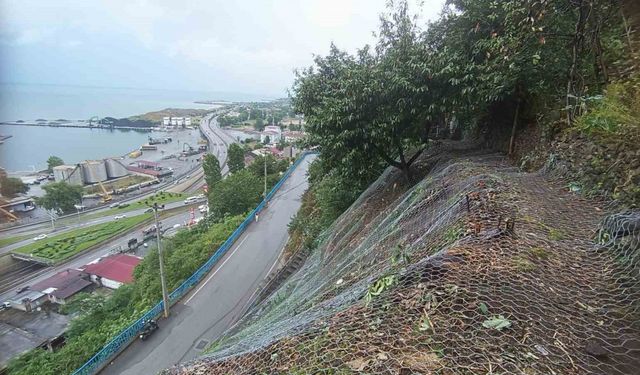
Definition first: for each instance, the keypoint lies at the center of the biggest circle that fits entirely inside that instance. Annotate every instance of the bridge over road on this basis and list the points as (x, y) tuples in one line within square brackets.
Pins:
[(218, 301)]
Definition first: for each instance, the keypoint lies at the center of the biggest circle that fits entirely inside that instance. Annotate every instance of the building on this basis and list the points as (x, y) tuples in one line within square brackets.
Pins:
[(71, 174), (63, 285), (187, 121), (27, 300), (166, 121), (112, 271), (274, 133)]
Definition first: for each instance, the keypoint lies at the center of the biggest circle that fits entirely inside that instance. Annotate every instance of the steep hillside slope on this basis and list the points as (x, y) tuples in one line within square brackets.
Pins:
[(477, 268)]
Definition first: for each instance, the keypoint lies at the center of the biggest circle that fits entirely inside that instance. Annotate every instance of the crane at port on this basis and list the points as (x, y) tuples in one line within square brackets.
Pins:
[(106, 197)]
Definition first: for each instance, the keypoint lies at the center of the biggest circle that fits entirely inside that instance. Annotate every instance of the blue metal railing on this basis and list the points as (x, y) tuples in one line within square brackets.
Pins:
[(127, 335)]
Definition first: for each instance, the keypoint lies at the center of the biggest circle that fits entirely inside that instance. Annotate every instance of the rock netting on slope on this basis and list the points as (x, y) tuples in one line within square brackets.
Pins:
[(476, 269)]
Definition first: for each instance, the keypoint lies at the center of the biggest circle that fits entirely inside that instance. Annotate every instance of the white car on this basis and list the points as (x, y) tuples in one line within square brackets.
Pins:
[(176, 226), (118, 217), (40, 237)]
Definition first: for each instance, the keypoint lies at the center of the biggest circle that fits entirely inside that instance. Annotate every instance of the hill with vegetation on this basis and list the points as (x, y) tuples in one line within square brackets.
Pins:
[(474, 205)]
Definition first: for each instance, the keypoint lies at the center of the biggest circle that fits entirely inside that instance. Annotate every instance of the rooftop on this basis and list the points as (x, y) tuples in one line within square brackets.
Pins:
[(63, 284), (117, 267)]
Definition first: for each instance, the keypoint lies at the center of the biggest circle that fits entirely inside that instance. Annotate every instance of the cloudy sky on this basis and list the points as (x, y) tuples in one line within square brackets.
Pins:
[(234, 46)]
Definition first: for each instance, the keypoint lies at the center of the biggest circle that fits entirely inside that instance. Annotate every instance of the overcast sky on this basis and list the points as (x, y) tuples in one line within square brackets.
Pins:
[(233, 46)]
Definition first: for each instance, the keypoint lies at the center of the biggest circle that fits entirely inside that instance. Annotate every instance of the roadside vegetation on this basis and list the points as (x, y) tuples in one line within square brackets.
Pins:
[(517, 75), (101, 318), (68, 244)]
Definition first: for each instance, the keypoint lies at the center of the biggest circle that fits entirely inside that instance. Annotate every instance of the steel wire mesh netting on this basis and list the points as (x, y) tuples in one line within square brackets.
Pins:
[(477, 268)]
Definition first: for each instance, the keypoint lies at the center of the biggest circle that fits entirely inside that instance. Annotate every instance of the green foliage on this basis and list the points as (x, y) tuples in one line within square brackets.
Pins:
[(259, 124), (235, 158), (274, 166), (60, 196), (619, 107), (378, 287), (11, 186), (235, 195), (497, 322), (211, 167), (53, 161), (83, 303)]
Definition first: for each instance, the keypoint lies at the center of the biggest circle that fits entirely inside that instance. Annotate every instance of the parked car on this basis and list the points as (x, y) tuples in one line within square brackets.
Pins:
[(176, 226), (118, 217), (114, 205), (40, 237)]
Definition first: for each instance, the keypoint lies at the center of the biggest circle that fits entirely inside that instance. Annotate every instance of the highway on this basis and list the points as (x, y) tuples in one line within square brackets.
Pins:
[(222, 297)]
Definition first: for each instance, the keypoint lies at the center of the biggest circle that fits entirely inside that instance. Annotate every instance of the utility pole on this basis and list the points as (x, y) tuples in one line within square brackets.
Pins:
[(165, 296)]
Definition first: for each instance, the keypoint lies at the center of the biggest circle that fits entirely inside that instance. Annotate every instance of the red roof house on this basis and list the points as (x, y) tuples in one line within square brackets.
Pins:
[(112, 271), (63, 285)]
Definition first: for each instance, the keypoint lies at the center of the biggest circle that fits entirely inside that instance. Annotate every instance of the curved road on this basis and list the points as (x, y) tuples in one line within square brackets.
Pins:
[(222, 297)]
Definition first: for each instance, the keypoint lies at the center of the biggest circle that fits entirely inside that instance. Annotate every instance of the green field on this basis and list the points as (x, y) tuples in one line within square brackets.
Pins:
[(67, 244), (160, 198)]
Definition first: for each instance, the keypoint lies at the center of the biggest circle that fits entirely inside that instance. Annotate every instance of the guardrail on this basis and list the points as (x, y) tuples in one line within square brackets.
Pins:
[(124, 338)]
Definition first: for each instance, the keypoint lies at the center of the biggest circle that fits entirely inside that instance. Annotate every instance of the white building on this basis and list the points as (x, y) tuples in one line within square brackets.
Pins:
[(274, 133), (187, 121), (166, 121)]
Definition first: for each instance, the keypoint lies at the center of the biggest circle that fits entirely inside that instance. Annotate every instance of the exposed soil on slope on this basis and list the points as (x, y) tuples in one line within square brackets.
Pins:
[(513, 283)]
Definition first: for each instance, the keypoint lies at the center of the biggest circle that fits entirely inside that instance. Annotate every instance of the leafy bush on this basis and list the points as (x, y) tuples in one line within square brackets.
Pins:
[(619, 107)]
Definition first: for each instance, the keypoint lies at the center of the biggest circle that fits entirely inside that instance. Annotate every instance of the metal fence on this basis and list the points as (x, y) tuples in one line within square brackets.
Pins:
[(130, 333)]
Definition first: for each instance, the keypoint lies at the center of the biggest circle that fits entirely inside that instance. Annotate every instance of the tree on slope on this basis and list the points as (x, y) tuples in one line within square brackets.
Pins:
[(235, 158), (235, 195), (372, 109), (211, 167)]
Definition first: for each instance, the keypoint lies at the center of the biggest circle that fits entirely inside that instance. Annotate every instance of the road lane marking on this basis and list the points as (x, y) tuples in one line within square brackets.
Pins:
[(216, 271)]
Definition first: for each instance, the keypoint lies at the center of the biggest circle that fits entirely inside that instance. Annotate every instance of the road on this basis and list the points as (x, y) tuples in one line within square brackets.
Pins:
[(222, 297), (218, 144), (120, 241)]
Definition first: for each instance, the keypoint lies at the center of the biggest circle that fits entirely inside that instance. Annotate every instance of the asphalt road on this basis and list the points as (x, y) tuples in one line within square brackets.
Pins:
[(222, 297)]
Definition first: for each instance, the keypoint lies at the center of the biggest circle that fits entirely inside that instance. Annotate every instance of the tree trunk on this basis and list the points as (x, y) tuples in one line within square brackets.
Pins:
[(576, 47), (513, 128)]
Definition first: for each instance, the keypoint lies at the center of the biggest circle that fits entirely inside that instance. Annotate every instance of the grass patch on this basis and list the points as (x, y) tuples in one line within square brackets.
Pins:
[(67, 244), (523, 264), (540, 252), (11, 240)]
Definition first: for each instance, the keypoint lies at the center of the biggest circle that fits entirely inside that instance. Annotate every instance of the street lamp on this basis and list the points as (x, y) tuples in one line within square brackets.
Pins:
[(165, 296)]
